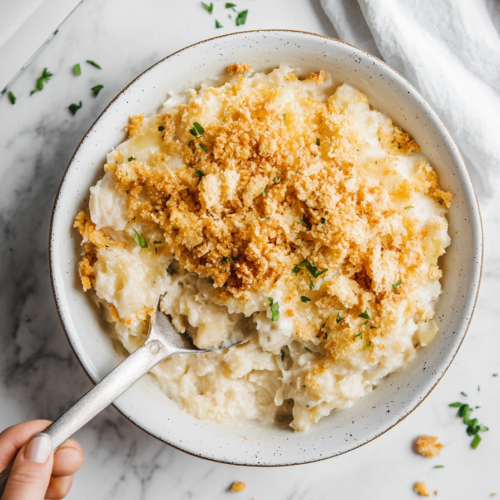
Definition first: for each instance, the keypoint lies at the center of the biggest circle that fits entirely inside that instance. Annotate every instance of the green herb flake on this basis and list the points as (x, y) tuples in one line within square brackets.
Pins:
[(140, 240), (161, 128), (318, 141), (409, 208), (475, 441), (208, 8), (296, 270), (398, 283), (96, 89), (77, 70), (12, 97), (264, 192), (131, 158), (364, 314), (198, 128), (230, 5), (311, 284), (225, 260), (43, 78), (364, 323), (302, 220), (202, 146), (323, 220), (311, 266), (218, 25), (285, 120), (157, 242), (367, 346), (439, 466), (463, 394), (241, 19), (93, 63), (73, 108), (456, 405), (308, 350), (277, 179), (360, 335), (303, 298), (339, 316), (199, 173), (275, 309)]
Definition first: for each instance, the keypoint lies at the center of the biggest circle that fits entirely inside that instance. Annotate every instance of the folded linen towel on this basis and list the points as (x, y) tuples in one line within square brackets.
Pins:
[(450, 51)]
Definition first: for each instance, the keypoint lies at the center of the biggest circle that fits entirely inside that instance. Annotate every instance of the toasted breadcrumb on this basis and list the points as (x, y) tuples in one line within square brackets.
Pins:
[(436, 492), (237, 487), (238, 68), (493, 494), (421, 489), (262, 207), (428, 446)]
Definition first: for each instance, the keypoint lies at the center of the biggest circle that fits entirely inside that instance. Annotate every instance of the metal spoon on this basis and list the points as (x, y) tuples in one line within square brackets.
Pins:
[(162, 342)]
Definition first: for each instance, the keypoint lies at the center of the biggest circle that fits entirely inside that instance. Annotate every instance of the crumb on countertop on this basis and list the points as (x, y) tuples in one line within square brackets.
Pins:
[(421, 489), (436, 492), (428, 446), (237, 487)]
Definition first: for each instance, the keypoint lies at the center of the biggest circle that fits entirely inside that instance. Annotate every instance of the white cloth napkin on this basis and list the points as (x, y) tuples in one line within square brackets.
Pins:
[(450, 51)]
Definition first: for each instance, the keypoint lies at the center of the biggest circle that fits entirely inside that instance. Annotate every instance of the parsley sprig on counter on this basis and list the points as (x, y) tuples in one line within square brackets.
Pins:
[(473, 426), (208, 7), (73, 108), (12, 97), (43, 78), (241, 18), (96, 89), (93, 63), (140, 240)]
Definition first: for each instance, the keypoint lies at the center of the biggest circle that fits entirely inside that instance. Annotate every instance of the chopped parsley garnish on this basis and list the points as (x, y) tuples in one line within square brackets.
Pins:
[(318, 141), (296, 270), (303, 298), (93, 63), (140, 240), (360, 335), (310, 266), (264, 219), (131, 158), (339, 316), (44, 78), (225, 260), (161, 128), (208, 8), (364, 323), (308, 350), (199, 173), (367, 346), (285, 120), (197, 129), (364, 314), (275, 309), (325, 336), (230, 5), (473, 426), (12, 97), (463, 394), (302, 220), (311, 284), (409, 208), (202, 146), (264, 192), (218, 25), (77, 70), (97, 89), (241, 18), (157, 242), (323, 220), (277, 178), (74, 107), (439, 466), (395, 286)]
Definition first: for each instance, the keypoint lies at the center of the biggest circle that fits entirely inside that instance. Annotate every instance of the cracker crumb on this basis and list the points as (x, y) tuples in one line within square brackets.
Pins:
[(428, 446), (237, 487), (317, 78), (134, 125), (493, 494), (421, 489), (436, 492), (238, 68)]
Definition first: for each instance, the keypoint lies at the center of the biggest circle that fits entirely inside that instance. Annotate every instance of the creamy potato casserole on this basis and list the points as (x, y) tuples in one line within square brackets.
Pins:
[(279, 209)]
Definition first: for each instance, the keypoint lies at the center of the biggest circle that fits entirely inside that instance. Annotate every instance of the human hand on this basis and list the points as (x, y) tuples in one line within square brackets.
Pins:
[(37, 472)]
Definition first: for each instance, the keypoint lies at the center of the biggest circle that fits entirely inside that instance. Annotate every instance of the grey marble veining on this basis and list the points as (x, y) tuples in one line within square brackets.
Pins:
[(39, 375)]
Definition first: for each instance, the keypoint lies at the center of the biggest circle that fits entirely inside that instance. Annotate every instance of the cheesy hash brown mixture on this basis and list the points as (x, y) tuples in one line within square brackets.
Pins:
[(282, 210)]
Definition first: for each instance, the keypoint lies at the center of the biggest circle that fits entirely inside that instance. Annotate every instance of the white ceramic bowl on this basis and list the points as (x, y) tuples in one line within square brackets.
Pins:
[(399, 394)]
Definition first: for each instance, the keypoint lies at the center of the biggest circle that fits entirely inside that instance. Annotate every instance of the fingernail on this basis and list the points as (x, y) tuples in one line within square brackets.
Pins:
[(39, 448)]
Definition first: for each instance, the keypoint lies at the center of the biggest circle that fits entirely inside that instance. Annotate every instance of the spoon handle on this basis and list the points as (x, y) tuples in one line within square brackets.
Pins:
[(129, 371)]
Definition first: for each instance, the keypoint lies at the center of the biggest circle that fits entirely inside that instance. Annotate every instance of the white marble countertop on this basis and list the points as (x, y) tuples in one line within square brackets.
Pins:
[(40, 377)]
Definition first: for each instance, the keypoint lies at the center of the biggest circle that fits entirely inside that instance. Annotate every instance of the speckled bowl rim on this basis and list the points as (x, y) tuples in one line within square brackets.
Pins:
[(475, 206)]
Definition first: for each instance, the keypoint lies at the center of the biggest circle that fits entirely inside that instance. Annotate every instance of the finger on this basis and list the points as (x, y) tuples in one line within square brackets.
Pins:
[(12, 438), (31, 471), (68, 459), (58, 487)]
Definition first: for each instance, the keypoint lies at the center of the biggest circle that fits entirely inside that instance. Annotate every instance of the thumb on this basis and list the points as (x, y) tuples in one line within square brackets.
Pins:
[(31, 470)]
